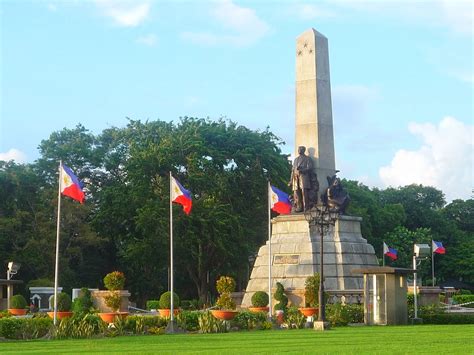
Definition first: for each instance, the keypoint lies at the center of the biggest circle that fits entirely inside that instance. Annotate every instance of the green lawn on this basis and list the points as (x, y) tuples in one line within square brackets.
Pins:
[(428, 339)]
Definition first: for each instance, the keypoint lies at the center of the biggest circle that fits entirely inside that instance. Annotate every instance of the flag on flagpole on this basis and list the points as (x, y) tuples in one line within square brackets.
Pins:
[(279, 201), (390, 252), (180, 195), (70, 184), (437, 247)]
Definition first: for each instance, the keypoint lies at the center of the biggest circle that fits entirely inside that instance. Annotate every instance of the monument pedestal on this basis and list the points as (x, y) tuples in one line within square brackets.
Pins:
[(295, 256)]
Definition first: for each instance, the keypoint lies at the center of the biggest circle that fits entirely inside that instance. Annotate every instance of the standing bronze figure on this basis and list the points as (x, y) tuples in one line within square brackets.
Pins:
[(303, 182)]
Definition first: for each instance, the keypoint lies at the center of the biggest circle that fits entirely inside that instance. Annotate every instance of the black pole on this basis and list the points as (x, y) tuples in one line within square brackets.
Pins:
[(322, 306)]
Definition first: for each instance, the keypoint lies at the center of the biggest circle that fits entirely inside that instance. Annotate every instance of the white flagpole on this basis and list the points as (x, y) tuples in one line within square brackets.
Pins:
[(269, 254), (383, 254), (432, 264), (171, 254), (56, 266)]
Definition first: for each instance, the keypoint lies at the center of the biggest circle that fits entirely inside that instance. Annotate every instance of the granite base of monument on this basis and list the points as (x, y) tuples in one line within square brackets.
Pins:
[(295, 256)]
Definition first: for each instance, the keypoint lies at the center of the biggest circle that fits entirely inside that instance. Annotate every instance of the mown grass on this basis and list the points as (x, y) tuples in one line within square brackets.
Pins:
[(422, 339)]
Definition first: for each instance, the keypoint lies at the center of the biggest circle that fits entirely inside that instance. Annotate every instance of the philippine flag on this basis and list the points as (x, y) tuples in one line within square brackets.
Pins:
[(438, 247), (70, 184), (279, 201), (180, 195), (390, 252)]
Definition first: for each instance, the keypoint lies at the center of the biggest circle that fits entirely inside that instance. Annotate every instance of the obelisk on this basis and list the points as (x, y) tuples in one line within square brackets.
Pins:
[(313, 121)]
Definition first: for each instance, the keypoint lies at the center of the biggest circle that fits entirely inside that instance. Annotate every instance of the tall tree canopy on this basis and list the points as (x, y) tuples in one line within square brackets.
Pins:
[(124, 223)]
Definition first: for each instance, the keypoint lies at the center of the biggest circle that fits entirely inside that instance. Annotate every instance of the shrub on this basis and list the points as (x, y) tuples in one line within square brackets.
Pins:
[(225, 286), (114, 281), (188, 320), (18, 302), (113, 300), (342, 314), (209, 324), (249, 320), (64, 302), (460, 299), (311, 288), (83, 304), (225, 301), (165, 300), (142, 324), (281, 298), (25, 328), (152, 304), (260, 299), (85, 326), (294, 318)]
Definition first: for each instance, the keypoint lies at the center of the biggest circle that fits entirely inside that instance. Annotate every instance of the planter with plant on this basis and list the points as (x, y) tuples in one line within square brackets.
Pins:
[(165, 304), (113, 299), (225, 304), (64, 306), (281, 307), (311, 297), (17, 305), (260, 301)]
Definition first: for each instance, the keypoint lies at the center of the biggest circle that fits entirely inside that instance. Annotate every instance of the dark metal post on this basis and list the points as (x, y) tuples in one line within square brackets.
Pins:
[(322, 306)]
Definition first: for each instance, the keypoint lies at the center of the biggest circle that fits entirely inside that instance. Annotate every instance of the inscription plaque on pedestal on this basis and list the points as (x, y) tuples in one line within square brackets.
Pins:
[(285, 259)]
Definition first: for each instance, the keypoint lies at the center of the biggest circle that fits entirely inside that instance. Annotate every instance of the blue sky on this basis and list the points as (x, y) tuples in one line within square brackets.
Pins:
[(401, 75)]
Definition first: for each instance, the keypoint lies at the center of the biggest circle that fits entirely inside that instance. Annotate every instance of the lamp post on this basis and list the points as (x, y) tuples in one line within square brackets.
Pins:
[(322, 217), (13, 268)]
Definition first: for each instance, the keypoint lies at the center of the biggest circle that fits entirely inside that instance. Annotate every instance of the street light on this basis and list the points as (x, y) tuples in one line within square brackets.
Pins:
[(13, 268), (322, 216), (420, 252)]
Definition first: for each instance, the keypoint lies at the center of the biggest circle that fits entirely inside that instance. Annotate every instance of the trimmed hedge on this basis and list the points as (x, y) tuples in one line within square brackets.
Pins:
[(460, 299), (448, 318), (25, 328)]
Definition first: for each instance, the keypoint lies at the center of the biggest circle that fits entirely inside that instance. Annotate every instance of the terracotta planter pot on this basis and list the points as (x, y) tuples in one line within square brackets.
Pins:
[(280, 316), (166, 312), (258, 309), (224, 314), (17, 311), (110, 317), (60, 315), (308, 311)]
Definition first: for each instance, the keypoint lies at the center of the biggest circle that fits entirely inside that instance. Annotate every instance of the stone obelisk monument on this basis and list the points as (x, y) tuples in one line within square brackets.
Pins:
[(295, 249), (313, 121)]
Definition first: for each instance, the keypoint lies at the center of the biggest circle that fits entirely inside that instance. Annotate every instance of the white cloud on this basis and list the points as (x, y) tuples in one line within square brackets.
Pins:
[(445, 160), (243, 26), (148, 40), (455, 15), (13, 154), (125, 13), (458, 15), (312, 12), (52, 7)]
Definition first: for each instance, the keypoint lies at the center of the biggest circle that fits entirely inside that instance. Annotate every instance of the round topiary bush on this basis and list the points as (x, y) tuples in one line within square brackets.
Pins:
[(165, 300), (114, 280), (260, 299), (18, 302), (64, 302)]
